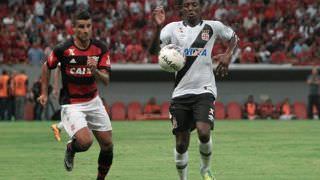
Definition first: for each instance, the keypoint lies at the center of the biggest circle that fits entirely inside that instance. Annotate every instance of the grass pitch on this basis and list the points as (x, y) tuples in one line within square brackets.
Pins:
[(267, 150)]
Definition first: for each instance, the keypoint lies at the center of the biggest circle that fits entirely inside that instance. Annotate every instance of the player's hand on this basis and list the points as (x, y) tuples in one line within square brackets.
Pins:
[(223, 64), (43, 99), (158, 15), (92, 64)]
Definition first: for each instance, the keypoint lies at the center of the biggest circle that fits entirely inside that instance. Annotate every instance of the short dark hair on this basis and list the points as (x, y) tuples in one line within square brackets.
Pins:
[(82, 15), (180, 2)]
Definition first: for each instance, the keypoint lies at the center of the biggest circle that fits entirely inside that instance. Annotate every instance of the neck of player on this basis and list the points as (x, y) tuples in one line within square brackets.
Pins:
[(81, 44), (193, 22)]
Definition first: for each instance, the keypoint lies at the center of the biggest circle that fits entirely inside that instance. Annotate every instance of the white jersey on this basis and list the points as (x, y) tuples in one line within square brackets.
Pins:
[(197, 42)]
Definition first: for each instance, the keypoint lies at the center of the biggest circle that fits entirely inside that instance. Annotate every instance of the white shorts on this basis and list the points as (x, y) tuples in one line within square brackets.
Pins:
[(91, 114)]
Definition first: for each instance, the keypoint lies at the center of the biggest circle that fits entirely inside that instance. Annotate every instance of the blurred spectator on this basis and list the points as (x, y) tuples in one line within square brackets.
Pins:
[(39, 11), (248, 56), (275, 24), (4, 95), (313, 99), (36, 91), (35, 54), (20, 90), (286, 110), (267, 109), (264, 55), (250, 109), (152, 107), (134, 52), (249, 21)]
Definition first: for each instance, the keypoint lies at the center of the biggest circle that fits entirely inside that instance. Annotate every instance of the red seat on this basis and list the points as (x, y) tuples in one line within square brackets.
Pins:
[(300, 110), (165, 109), (118, 111), (134, 110), (234, 111), (219, 110)]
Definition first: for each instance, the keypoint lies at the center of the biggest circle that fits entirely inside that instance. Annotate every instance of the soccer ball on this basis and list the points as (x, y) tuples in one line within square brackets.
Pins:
[(170, 58)]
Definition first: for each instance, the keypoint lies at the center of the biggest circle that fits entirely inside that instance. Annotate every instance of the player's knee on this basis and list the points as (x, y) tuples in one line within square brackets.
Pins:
[(181, 147), (85, 144), (106, 146), (204, 136)]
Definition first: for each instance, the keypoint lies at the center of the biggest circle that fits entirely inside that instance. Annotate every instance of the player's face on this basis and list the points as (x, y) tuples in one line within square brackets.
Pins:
[(191, 10), (83, 29)]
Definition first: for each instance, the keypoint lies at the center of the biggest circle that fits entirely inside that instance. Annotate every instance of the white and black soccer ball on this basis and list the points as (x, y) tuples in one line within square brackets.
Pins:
[(171, 58)]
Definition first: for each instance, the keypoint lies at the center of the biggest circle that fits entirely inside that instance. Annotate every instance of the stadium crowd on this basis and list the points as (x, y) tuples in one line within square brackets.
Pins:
[(271, 31)]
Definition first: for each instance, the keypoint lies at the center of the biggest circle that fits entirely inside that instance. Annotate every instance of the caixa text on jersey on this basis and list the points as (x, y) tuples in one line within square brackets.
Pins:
[(195, 52)]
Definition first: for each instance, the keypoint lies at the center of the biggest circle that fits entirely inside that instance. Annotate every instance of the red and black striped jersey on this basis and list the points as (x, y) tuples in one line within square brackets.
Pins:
[(78, 83)]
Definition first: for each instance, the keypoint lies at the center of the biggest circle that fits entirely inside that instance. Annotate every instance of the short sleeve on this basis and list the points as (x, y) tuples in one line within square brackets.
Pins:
[(224, 32), (104, 62), (165, 35), (52, 60)]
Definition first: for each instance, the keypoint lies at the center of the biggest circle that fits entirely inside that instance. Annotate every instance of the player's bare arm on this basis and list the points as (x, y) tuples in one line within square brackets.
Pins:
[(225, 58), (102, 75), (158, 16), (45, 78), (56, 77)]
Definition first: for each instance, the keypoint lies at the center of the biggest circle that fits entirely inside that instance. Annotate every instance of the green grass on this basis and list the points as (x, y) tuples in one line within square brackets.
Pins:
[(267, 150)]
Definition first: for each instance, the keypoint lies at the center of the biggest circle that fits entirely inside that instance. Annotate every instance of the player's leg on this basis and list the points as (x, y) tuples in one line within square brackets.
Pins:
[(204, 116), (80, 142), (181, 118), (75, 125), (205, 148), (181, 156), (106, 152), (100, 124)]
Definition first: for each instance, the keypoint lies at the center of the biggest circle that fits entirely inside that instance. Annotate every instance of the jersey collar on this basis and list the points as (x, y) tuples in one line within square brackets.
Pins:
[(186, 24)]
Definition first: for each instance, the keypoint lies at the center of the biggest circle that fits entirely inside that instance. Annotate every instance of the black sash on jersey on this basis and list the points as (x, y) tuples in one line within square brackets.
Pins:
[(198, 43)]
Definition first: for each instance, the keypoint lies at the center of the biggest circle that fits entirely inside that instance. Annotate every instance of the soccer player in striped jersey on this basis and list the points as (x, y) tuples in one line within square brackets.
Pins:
[(83, 61), (195, 89)]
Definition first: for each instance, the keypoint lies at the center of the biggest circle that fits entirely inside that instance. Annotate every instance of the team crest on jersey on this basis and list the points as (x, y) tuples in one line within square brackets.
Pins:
[(180, 30), (94, 58), (205, 35)]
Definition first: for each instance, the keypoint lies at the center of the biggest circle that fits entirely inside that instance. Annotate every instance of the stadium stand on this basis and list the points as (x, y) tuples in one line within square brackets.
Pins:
[(219, 110), (118, 111), (134, 110), (234, 111), (275, 31), (300, 110), (165, 109)]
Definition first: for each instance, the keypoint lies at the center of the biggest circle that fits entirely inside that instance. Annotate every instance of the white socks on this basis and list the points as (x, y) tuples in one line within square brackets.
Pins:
[(60, 125), (205, 155), (181, 164)]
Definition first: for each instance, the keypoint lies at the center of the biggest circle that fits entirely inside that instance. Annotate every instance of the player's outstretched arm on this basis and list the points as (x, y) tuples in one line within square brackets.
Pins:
[(224, 59), (102, 75), (158, 16), (45, 79)]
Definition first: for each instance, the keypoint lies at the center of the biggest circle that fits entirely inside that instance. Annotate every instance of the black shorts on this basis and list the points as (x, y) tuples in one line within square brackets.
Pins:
[(187, 110)]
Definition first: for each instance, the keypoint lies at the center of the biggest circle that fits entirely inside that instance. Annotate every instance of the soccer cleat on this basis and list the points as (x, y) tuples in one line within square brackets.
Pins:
[(56, 132), (208, 176), (68, 160)]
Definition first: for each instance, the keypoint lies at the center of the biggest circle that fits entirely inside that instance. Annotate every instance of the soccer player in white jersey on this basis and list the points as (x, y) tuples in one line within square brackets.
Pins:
[(195, 90)]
